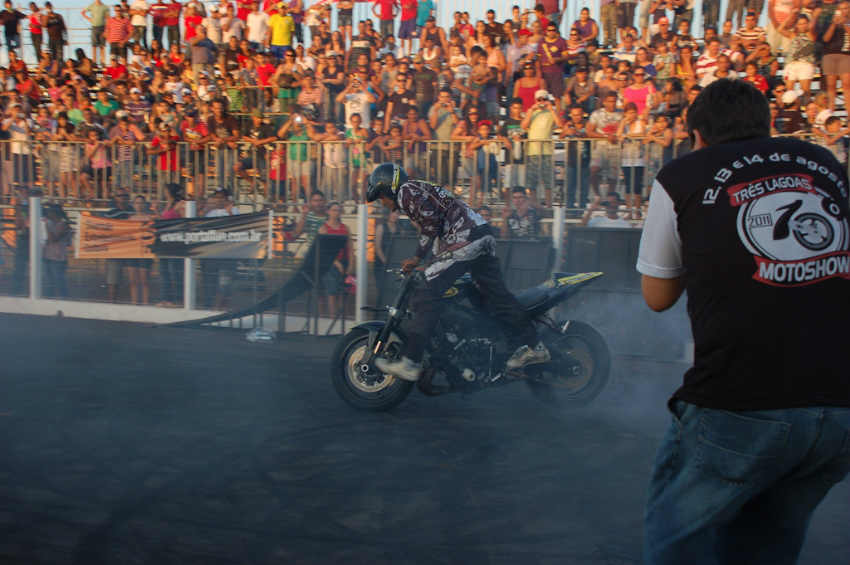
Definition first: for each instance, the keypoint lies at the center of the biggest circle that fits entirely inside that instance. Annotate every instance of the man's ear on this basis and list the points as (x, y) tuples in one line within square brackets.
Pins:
[(699, 143)]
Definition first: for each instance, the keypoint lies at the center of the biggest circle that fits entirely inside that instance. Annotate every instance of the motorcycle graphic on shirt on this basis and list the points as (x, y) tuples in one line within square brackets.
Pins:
[(797, 233)]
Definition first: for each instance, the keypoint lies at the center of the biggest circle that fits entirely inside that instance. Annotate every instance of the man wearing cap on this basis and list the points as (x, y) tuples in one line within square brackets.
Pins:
[(212, 23), (540, 121), (137, 108), (281, 31), (106, 107), (553, 52), (99, 11), (664, 35), (424, 81), (203, 53), (255, 137), (790, 118)]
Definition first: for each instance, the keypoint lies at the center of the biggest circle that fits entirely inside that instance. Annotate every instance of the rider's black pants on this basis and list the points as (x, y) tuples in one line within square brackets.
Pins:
[(428, 304)]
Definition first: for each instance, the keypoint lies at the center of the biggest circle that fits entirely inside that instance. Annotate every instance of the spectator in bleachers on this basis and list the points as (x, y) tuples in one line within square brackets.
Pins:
[(361, 44), (553, 54), (56, 31), (720, 70), (835, 139), (790, 119), (281, 32), (800, 57), (343, 266), (631, 132), (99, 11), (577, 153), (334, 160), (611, 218), (313, 216), (778, 11), (356, 99), (299, 165), (835, 63), (605, 155), (523, 220), (540, 122), (442, 120)]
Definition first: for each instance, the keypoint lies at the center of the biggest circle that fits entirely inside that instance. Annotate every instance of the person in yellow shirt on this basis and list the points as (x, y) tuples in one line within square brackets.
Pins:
[(281, 30)]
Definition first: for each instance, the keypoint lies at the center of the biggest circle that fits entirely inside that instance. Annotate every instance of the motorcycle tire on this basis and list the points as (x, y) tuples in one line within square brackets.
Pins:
[(369, 393), (578, 371)]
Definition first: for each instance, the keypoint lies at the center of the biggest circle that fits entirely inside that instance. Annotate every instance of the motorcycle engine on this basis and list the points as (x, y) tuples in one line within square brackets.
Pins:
[(470, 355)]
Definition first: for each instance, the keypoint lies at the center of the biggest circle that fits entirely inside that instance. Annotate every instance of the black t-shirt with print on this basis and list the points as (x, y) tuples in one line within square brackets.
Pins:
[(762, 229)]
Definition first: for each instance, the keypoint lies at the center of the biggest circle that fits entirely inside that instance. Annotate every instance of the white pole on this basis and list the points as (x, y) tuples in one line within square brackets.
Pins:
[(189, 266), (36, 231), (362, 268), (558, 224)]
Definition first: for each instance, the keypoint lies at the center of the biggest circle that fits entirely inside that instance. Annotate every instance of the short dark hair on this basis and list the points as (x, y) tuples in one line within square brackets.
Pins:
[(520, 190), (729, 110)]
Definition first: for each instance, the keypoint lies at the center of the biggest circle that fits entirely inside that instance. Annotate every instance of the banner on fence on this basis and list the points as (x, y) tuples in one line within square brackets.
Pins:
[(244, 236)]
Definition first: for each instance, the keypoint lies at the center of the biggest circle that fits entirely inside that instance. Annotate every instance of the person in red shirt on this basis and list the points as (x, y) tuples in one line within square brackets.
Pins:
[(116, 69), (157, 12), (118, 32), (172, 22), (758, 81), (386, 10), (407, 27), (196, 135), (190, 21), (243, 8), (265, 70), (164, 144)]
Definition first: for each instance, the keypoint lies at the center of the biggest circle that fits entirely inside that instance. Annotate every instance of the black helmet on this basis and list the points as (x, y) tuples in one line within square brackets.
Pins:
[(385, 180)]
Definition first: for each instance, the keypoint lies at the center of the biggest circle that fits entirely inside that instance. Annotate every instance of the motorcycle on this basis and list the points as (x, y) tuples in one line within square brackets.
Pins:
[(469, 348)]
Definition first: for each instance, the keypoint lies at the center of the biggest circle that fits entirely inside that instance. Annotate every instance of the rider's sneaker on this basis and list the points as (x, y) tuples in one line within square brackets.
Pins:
[(526, 355), (404, 368)]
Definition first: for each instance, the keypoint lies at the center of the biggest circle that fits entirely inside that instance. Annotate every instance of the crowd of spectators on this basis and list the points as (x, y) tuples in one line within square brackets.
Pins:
[(181, 92)]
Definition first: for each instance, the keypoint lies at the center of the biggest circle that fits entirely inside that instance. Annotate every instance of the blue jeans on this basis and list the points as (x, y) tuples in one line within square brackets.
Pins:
[(741, 487)]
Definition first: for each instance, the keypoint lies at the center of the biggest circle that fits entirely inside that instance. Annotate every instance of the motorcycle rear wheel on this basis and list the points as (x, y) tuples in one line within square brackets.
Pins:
[(578, 371), (374, 392)]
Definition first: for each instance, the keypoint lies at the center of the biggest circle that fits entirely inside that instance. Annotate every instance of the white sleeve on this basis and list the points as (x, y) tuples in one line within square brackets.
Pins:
[(660, 253)]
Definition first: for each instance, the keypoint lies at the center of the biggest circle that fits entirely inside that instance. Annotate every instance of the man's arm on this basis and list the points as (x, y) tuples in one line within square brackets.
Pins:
[(660, 257)]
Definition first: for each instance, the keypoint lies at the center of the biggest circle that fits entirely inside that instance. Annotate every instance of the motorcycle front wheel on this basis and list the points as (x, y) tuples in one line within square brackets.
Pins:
[(579, 368), (370, 391)]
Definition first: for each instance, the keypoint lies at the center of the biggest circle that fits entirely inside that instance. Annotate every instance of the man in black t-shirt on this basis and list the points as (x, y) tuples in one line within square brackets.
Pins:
[(224, 137), (255, 137), (401, 98), (756, 230), (12, 19), (424, 84), (361, 44)]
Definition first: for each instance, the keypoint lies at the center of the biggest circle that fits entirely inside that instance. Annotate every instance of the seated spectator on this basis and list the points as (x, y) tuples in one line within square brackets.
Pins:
[(523, 221), (835, 140), (611, 218), (790, 119)]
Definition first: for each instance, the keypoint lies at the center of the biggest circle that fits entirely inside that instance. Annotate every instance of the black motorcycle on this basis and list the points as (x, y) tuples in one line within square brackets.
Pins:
[(469, 348)]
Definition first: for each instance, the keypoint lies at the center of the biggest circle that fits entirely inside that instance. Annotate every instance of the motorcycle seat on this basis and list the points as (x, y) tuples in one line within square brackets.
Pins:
[(532, 297)]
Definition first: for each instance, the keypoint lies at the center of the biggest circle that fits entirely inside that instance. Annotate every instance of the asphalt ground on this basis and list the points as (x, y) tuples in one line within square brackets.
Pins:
[(121, 443)]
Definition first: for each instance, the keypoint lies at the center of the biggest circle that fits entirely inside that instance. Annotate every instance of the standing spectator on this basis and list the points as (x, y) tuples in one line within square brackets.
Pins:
[(757, 438), (553, 53), (191, 20), (415, 132), (99, 11), (356, 138), (385, 11), (513, 132), (257, 32), (540, 121), (195, 136), (164, 146), (400, 99), (55, 257), (212, 23), (407, 26), (659, 148), (232, 26), (523, 222), (626, 15), (281, 30), (298, 166), (114, 267), (69, 166), (95, 174), (22, 239), (442, 119), (527, 86), (295, 8), (642, 93), (361, 44), (631, 131), (224, 136), (124, 137), (312, 98), (609, 17), (158, 11), (605, 157), (345, 19), (139, 20), (172, 22), (20, 130), (343, 265), (778, 11), (333, 160), (256, 137), (36, 19), (171, 269), (139, 270), (313, 216), (800, 57), (578, 158), (836, 52), (118, 32), (424, 81), (684, 12), (581, 90), (203, 53)]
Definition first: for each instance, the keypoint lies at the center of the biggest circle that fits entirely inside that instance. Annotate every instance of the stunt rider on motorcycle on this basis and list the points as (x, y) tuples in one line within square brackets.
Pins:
[(466, 244)]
